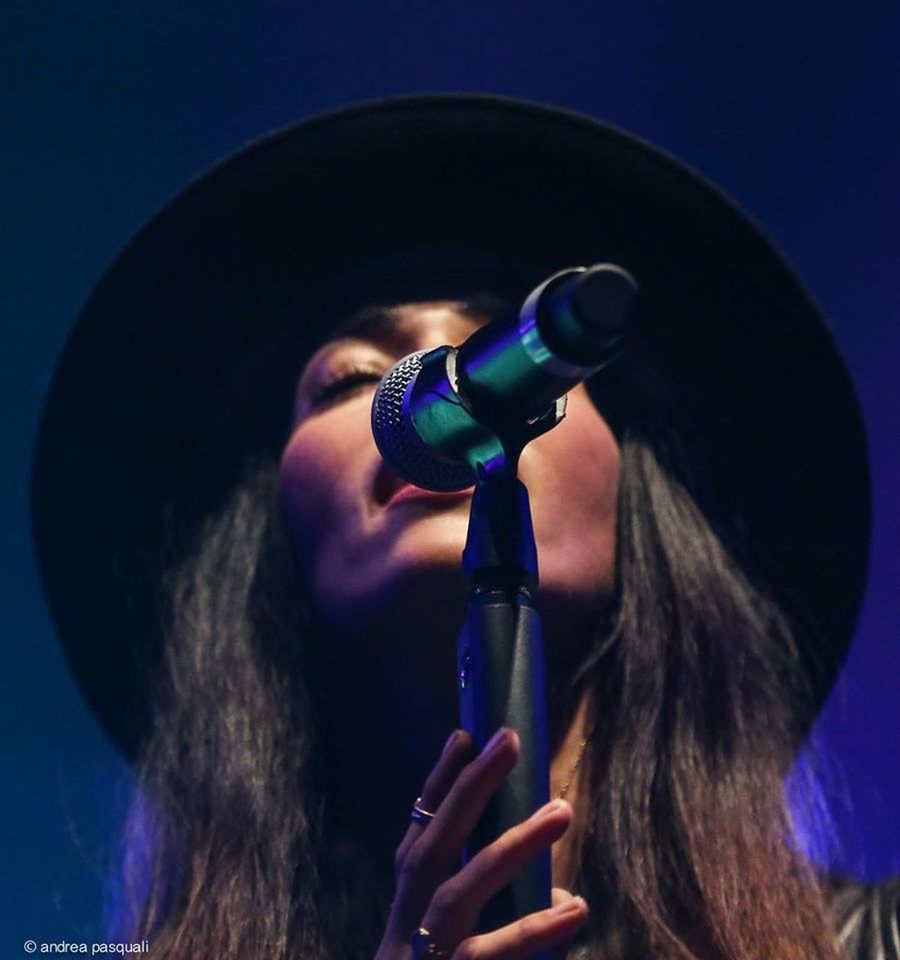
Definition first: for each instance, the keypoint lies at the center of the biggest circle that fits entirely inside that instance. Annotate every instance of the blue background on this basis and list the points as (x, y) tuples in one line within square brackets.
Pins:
[(107, 108)]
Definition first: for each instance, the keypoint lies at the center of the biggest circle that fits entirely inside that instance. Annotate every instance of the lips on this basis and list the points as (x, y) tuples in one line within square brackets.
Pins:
[(391, 488), (408, 493)]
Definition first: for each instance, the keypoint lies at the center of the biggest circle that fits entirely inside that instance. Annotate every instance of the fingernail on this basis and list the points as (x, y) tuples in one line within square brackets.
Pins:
[(548, 808), (448, 746), (495, 743), (568, 906)]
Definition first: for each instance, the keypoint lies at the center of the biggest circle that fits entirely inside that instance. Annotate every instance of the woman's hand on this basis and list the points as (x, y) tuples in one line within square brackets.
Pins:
[(432, 893)]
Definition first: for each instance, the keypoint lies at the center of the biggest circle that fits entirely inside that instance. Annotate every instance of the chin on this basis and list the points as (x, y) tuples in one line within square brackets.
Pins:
[(427, 583), (412, 589), (433, 541)]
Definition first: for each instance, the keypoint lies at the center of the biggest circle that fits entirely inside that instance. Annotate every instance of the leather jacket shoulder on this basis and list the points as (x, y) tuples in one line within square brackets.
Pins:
[(867, 918)]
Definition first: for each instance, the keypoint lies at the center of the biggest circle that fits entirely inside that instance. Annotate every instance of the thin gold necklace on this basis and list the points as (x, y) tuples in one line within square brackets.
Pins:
[(564, 789)]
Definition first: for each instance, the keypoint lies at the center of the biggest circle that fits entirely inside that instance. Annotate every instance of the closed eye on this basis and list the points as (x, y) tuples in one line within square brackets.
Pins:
[(342, 385)]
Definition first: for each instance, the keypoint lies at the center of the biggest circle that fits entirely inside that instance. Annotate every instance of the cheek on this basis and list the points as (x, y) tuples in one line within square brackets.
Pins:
[(319, 472), (302, 484), (576, 477), (592, 454)]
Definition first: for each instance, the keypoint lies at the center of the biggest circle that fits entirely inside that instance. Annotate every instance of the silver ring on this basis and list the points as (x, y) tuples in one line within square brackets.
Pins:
[(419, 813), (424, 948)]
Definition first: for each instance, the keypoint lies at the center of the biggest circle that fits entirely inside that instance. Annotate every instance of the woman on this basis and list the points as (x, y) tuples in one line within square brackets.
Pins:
[(698, 586)]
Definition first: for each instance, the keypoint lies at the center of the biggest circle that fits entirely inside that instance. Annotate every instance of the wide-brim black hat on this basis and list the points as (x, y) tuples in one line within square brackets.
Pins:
[(157, 400)]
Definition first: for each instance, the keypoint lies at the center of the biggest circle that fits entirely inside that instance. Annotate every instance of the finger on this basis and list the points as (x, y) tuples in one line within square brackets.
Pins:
[(558, 896), (520, 940), (436, 853), (459, 812), (457, 903), (453, 758)]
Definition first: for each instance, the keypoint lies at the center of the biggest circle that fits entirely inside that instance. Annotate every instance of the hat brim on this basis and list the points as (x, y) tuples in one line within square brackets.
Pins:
[(270, 245)]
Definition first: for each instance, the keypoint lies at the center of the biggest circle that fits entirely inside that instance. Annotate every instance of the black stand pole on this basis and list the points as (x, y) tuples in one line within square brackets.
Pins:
[(500, 661)]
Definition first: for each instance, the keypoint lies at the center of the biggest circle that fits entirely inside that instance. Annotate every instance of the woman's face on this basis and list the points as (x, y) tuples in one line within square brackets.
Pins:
[(376, 555)]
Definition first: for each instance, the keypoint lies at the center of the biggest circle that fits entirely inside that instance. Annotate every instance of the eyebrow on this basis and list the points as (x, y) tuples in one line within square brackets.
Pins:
[(369, 323), (380, 322)]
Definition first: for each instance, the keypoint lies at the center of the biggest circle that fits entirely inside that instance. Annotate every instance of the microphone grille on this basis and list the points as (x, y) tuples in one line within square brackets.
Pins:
[(396, 437)]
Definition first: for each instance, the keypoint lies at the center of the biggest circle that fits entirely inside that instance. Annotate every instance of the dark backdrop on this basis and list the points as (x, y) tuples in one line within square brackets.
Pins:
[(109, 107)]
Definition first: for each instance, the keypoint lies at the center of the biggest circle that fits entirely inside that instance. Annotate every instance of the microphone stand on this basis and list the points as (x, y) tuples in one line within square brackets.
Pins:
[(500, 666), (449, 413)]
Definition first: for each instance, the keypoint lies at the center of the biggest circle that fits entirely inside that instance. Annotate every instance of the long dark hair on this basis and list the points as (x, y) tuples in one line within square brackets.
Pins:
[(696, 678)]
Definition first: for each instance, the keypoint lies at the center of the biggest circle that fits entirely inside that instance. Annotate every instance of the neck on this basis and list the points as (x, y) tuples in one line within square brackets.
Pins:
[(568, 774)]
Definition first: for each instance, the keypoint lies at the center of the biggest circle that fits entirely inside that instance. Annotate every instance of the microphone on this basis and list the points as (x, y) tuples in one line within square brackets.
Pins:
[(437, 414)]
